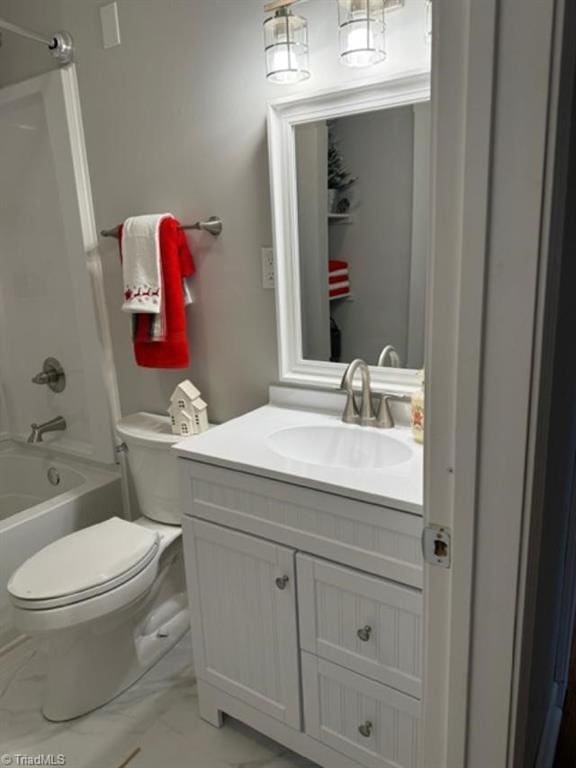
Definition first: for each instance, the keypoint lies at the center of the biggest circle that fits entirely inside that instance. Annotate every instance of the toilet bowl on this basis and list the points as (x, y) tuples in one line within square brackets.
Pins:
[(107, 602)]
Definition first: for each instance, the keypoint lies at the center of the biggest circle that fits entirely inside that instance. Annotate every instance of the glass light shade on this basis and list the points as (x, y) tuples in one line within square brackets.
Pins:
[(286, 46), (361, 24)]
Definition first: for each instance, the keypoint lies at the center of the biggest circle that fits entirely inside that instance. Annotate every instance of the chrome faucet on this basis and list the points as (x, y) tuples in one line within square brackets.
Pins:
[(39, 430), (352, 414), (365, 414), (389, 357)]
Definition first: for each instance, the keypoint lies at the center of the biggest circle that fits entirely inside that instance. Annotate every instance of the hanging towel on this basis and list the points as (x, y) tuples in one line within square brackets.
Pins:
[(141, 269), (338, 279), (339, 289), (177, 263)]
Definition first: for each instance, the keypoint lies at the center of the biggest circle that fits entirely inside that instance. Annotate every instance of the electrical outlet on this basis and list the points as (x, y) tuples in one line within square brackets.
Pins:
[(267, 268)]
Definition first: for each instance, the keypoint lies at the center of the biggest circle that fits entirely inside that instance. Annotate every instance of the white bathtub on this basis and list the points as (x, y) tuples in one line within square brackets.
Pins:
[(35, 511)]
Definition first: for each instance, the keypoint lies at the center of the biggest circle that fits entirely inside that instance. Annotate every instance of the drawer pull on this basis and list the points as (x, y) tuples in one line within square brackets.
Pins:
[(365, 729), (364, 633), (282, 582)]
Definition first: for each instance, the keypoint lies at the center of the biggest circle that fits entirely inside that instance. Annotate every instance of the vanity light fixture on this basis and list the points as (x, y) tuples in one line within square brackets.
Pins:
[(361, 25), (286, 44)]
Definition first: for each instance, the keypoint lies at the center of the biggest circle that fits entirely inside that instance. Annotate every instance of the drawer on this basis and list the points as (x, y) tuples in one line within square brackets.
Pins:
[(368, 722), (365, 623), (366, 536)]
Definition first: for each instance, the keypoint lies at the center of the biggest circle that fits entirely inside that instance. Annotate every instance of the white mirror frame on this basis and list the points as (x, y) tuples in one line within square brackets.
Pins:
[(283, 115)]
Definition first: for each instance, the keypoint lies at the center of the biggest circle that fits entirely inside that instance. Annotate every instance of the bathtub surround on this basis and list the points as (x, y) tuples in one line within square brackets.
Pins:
[(201, 154), (47, 228)]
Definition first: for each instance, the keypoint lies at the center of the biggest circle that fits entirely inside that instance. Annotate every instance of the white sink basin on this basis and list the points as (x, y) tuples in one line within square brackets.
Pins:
[(347, 447)]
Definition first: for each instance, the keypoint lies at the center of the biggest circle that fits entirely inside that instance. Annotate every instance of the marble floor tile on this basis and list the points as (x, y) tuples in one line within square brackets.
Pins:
[(156, 722)]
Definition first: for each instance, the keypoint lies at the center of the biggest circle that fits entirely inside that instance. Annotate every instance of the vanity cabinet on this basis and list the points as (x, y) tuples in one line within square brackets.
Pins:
[(306, 614), (245, 636)]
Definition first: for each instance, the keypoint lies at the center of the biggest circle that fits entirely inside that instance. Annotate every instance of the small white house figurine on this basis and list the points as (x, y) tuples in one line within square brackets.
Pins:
[(188, 412)]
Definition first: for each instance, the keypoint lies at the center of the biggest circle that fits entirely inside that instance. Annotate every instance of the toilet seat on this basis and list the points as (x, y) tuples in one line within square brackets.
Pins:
[(85, 564)]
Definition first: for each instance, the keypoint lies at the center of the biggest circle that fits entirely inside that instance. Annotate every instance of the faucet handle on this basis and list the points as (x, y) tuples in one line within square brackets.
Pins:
[(351, 413), (384, 418)]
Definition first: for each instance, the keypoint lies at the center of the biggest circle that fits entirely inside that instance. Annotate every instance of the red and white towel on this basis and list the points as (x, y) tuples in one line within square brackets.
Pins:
[(339, 278), (141, 268), (159, 320)]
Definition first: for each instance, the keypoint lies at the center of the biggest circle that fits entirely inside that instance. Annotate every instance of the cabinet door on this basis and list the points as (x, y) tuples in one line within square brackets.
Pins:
[(243, 603)]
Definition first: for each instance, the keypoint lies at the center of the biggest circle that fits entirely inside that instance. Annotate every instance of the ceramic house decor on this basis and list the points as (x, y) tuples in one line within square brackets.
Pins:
[(188, 412)]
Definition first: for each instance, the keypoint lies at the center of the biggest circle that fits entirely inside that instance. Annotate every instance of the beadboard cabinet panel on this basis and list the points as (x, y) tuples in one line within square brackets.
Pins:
[(366, 536), (244, 618), (361, 622), (372, 724)]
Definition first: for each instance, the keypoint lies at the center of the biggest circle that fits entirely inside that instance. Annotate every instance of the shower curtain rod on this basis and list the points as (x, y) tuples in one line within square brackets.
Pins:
[(60, 45)]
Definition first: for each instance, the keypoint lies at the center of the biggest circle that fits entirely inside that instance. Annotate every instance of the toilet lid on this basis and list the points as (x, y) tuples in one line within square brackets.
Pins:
[(85, 563)]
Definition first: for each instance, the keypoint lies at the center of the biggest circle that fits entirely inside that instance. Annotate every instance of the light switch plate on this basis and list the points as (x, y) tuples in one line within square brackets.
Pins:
[(110, 25), (267, 268)]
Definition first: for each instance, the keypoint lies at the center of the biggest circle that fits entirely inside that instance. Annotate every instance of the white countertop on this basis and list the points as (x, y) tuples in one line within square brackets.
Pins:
[(244, 444)]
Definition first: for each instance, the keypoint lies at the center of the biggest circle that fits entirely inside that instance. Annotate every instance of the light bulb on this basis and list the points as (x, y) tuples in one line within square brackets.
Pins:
[(361, 37), (286, 44)]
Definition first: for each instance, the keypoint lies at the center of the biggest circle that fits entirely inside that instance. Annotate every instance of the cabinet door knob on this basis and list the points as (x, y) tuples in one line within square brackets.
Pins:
[(366, 729), (282, 582), (364, 633)]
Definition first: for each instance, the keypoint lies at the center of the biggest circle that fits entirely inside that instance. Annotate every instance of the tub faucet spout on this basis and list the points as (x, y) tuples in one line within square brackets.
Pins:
[(39, 430)]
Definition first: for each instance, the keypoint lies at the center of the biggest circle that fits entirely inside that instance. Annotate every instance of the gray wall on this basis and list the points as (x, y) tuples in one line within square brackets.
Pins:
[(378, 148), (175, 120)]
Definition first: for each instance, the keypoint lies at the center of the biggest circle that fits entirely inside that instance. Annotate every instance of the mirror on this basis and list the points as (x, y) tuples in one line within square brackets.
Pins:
[(350, 183), (362, 188)]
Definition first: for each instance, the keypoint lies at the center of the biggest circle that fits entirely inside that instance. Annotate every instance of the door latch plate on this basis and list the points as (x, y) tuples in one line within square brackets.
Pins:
[(437, 545)]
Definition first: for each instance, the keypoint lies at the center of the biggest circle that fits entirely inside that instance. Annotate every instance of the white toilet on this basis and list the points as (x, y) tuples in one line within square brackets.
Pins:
[(107, 602)]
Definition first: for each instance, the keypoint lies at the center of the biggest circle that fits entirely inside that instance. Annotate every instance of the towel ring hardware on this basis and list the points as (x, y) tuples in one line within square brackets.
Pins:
[(213, 226)]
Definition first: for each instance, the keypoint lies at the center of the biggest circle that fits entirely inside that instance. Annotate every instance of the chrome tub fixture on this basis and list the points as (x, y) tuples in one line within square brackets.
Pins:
[(285, 44), (39, 430), (52, 375), (361, 25)]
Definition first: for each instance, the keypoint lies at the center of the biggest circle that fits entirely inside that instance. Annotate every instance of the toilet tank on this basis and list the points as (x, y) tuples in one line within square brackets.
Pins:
[(153, 465)]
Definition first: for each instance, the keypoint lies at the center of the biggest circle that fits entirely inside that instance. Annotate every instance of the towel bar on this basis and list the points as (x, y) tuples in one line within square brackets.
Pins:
[(214, 226)]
